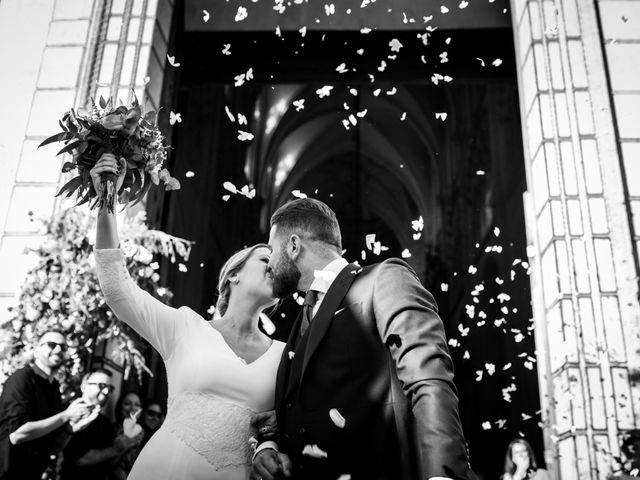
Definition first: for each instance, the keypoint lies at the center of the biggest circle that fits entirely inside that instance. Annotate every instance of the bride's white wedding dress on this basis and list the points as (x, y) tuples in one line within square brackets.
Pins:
[(212, 392)]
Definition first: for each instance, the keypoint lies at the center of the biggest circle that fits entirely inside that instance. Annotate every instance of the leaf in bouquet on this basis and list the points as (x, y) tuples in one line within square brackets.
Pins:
[(71, 122), (68, 166), (85, 198), (63, 126), (83, 147), (102, 102), (58, 137), (147, 185), (69, 147), (71, 186), (96, 139), (135, 102), (137, 182), (86, 177)]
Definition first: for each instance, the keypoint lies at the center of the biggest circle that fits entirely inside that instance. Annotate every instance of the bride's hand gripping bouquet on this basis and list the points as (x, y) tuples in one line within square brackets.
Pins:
[(127, 133)]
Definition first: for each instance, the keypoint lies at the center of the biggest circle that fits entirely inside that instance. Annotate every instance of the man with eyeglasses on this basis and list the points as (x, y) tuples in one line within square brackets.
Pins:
[(92, 452), (33, 424)]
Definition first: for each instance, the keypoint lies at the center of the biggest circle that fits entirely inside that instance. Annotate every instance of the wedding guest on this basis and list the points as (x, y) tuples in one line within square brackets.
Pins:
[(92, 452), (33, 423), (129, 408), (152, 418), (520, 463), (628, 466)]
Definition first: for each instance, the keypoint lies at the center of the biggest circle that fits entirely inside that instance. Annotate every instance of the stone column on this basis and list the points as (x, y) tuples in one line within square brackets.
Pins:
[(57, 54), (43, 47), (584, 276)]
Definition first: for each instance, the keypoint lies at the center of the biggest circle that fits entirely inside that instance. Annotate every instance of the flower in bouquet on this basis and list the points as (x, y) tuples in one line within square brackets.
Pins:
[(126, 132)]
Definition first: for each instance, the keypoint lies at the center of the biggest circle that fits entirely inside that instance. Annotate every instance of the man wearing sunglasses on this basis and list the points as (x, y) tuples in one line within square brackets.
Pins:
[(33, 424), (152, 418), (92, 452)]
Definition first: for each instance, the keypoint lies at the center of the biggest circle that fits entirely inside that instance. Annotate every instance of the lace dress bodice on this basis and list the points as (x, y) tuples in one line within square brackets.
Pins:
[(213, 394)]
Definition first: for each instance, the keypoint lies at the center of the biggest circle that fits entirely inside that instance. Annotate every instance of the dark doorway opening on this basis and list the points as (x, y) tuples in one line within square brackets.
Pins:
[(462, 174)]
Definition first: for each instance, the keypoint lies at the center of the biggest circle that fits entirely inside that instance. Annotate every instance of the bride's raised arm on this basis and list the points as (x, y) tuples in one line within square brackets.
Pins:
[(153, 320)]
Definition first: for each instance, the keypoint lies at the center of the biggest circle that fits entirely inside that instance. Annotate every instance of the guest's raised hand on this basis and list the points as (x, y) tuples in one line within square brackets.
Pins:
[(84, 421), (108, 164), (77, 409), (122, 443)]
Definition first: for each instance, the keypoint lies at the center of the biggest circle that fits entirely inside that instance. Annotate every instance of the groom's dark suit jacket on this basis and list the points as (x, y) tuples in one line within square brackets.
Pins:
[(376, 352)]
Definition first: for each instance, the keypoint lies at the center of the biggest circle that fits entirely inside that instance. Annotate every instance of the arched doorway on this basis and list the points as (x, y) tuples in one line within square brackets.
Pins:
[(401, 158)]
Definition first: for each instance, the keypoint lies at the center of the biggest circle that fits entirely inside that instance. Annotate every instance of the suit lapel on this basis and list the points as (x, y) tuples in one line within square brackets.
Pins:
[(284, 369), (324, 316)]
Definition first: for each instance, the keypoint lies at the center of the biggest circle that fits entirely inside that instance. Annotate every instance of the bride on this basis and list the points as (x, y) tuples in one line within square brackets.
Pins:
[(220, 373)]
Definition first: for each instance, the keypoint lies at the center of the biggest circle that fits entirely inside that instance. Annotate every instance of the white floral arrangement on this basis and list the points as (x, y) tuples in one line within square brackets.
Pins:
[(62, 291)]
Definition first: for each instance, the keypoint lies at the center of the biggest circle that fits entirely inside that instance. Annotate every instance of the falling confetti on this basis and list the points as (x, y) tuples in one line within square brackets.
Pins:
[(314, 451), (298, 194), (229, 114), (395, 45), (244, 136), (205, 16), (338, 420), (324, 91), (267, 324), (241, 14), (174, 118), (172, 61)]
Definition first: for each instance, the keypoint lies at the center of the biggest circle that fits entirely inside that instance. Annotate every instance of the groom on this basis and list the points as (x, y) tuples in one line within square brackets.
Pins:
[(365, 385)]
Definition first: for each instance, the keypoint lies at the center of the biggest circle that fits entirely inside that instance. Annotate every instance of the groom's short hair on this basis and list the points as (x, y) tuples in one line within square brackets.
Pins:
[(310, 216)]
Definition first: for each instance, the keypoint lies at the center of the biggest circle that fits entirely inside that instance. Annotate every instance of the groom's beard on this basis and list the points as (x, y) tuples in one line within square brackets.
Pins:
[(285, 277)]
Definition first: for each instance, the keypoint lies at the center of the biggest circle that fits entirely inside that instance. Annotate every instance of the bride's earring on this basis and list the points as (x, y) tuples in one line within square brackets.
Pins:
[(234, 280)]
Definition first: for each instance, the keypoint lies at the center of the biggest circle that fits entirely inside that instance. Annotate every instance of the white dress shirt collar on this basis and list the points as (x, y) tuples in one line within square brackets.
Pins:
[(324, 278)]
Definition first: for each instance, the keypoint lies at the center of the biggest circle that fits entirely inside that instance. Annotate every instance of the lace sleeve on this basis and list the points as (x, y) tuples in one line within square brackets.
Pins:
[(153, 320)]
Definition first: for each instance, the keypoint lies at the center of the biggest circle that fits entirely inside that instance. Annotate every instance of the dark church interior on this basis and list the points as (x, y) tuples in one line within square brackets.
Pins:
[(399, 161)]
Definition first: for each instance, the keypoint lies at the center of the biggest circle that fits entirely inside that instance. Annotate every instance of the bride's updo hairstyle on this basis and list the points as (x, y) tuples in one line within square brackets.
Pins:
[(228, 270)]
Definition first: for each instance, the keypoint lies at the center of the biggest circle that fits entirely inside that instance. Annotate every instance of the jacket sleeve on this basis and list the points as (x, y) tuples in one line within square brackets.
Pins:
[(408, 323), (156, 322), (16, 401)]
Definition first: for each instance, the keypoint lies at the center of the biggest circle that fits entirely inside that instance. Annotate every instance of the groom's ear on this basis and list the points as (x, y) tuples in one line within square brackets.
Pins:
[(294, 246)]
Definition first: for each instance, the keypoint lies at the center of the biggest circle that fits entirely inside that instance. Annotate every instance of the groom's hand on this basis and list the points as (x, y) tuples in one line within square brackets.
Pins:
[(270, 465)]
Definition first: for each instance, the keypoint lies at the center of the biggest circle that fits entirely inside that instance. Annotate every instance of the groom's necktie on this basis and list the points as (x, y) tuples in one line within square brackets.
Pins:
[(310, 300)]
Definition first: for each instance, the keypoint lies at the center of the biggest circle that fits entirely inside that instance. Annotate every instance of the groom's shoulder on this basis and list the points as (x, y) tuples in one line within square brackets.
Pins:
[(390, 268), (392, 263)]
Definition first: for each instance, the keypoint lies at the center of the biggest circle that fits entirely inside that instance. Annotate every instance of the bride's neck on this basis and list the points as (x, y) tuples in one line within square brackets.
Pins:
[(241, 318)]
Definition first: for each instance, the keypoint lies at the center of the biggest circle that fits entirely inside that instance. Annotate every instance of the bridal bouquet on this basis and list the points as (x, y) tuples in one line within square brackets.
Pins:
[(126, 132)]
